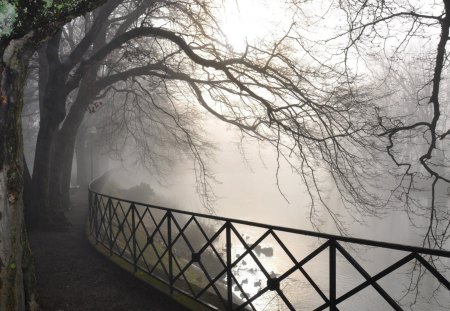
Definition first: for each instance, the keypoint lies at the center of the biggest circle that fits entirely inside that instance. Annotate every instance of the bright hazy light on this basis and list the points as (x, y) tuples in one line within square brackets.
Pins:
[(248, 21)]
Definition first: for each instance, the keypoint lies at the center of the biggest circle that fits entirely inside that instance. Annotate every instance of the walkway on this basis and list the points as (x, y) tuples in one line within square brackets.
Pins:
[(72, 276)]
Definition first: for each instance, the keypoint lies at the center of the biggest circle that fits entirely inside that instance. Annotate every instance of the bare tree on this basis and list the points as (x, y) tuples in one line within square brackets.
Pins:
[(415, 139), (268, 92), (24, 26)]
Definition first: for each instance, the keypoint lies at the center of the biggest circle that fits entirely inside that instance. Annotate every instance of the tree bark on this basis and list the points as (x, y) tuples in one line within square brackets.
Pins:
[(26, 193), (52, 100), (64, 147), (17, 283), (80, 154)]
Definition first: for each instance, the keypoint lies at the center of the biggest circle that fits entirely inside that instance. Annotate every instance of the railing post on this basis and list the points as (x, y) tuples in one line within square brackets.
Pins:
[(133, 235), (169, 239), (229, 276), (332, 251), (91, 213), (97, 212), (110, 220)]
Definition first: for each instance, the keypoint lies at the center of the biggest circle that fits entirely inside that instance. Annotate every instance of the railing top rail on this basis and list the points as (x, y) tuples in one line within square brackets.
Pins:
[(388, 245)]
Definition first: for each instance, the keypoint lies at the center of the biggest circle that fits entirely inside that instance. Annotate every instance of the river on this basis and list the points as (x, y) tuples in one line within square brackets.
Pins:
[(247, 190)]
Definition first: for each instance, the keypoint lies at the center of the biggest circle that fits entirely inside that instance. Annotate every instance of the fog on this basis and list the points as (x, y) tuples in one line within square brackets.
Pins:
[(293, 123), (246, 187)]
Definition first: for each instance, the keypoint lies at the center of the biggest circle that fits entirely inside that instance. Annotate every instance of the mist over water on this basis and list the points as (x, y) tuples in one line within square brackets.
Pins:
[(246, 189)]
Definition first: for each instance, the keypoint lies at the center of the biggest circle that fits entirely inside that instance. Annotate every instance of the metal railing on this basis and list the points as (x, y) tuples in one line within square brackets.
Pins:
[(201, 255)]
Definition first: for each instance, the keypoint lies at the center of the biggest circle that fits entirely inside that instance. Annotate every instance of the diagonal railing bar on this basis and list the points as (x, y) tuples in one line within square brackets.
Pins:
[(285, 300), (133, 233), (211, 244), (205, 247), (190, 263), (192, 293), (253, 298), (159, 256), (91, 215), (216, 290), (157, 230), (376, 277), (219, 257), (184, 276), (258, 263), (103, 223), (168, 246), (222, 262), (249, 250), (223, 272), (159, 262), (159, 224), (373, 279), (294, 261), (109, 205), (207, 244), (99, 220), (433, 271), (129, 241), (367, 276), (289, 272), (96, 211), (140, 224), (113, 218), (181, 233), (151, 238), (150, 235), (147, 266), (220, 274), (121, 228), (181, 274)]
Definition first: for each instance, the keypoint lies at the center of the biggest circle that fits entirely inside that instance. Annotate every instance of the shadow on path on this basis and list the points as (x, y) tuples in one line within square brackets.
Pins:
[(72, 276)]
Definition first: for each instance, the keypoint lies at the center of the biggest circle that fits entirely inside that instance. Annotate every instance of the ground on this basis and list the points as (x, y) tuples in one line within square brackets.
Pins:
[(72, 276)]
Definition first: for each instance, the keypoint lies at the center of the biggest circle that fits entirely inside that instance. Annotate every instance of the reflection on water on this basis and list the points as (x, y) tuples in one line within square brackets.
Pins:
[(260, 257), (252, 194), (252, 272)]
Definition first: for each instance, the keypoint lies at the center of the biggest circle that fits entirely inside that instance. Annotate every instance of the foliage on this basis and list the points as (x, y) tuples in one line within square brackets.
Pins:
[(8, 16), (41, 16)]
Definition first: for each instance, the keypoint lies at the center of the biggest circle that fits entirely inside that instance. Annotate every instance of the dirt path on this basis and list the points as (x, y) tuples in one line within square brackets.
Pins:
[(72, 276)]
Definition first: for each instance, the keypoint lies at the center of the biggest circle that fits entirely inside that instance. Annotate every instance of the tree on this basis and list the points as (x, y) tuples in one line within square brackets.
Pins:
[(289, 115), (24, 26), (57, 133), (313, 107), (416, 139)]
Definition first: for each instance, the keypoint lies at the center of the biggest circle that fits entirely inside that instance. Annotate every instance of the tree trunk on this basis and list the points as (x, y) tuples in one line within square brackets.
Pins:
[(26, 193), (17, 282), (80, 154), (52, 100), (61, 170), (46, 215), (67, 172), (61, 167)]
